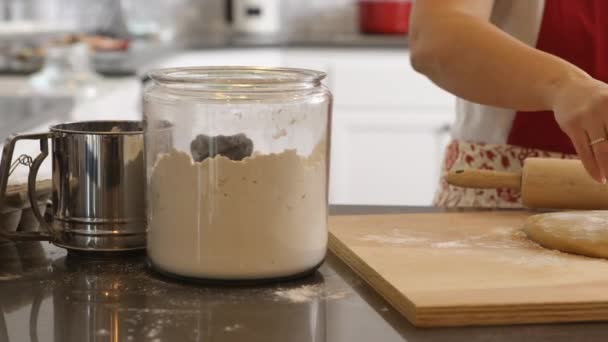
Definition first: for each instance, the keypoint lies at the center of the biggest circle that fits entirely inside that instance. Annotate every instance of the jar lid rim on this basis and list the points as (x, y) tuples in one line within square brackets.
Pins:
[(233, 75), (100, 127)]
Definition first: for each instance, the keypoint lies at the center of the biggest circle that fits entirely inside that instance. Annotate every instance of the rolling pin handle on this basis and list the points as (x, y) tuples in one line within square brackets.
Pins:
[(484, 179)]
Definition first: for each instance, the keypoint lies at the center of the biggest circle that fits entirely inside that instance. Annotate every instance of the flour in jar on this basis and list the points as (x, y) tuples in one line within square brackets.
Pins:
[(261, 217)]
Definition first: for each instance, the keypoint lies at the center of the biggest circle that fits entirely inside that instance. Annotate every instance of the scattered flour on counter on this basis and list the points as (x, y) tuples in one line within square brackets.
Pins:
[(299, 294), (306, 293), (153, 332), (543, 260), (504, 231), (102, 332), (336, 295), (231, 328), (9, 276), (392, 240), (498, 237), (450, 244)]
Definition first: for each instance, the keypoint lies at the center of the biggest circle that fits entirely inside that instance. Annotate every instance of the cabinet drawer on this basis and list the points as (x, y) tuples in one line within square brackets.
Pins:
[(385, 80), (390, 158)]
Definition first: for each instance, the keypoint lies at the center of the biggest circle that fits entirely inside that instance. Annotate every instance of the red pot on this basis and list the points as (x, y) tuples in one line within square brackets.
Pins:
[(387, 17)]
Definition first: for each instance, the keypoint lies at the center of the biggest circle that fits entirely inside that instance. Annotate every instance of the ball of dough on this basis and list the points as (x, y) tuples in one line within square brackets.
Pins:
[(579, 232)]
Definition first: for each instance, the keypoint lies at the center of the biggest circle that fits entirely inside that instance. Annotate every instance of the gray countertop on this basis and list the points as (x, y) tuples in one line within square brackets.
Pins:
[(47, 296), (125, 63), (345, 40)]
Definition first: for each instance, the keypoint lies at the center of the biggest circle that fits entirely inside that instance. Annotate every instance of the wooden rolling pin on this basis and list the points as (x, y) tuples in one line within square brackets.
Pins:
[(544, 183)]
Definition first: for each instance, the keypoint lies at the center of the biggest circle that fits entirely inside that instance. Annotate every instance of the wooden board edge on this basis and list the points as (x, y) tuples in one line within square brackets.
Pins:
[(373, 279), (461, 318), (574, 307)]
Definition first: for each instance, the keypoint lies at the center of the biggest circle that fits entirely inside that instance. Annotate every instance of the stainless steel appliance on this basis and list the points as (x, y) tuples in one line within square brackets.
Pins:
[(256, 16), (98, 186)]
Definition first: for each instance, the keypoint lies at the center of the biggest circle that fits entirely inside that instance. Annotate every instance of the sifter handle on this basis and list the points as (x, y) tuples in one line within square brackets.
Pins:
[(484, 179)]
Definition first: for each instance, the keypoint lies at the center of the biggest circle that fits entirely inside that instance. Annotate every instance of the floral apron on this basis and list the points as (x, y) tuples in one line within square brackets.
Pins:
[(463, 155)]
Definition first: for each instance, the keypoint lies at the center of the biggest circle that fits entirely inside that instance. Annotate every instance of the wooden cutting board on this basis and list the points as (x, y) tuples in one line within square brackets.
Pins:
[(457, 269)]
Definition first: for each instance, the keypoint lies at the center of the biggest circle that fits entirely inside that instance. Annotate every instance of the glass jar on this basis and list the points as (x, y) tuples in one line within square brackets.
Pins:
[(237, 168)]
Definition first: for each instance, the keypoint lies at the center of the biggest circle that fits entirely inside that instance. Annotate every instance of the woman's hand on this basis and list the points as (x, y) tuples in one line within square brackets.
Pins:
[(581, 110)]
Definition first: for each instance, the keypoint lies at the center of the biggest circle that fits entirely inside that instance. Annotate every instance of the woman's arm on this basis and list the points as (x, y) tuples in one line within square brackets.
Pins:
[(454, 44)]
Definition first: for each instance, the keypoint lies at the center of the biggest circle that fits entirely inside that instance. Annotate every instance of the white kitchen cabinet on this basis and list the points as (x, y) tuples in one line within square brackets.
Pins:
[(390, 125), (371, 77), (389, 158), (233, 57)]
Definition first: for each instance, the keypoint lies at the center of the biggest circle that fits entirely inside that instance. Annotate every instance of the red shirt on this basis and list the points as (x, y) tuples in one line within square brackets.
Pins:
[(576, 31)]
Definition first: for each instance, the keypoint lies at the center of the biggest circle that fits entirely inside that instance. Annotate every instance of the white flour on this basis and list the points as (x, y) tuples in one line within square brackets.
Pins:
[(102, 332), (495, 238), (395, 239), (502, 238), (262, 217), (299, 294), (231, 328), (450, 244), (307, 293)]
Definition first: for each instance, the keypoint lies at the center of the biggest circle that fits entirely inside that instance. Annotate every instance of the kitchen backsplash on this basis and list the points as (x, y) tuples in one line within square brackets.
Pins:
[(203, 20), (190, 20), (320, 16)]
